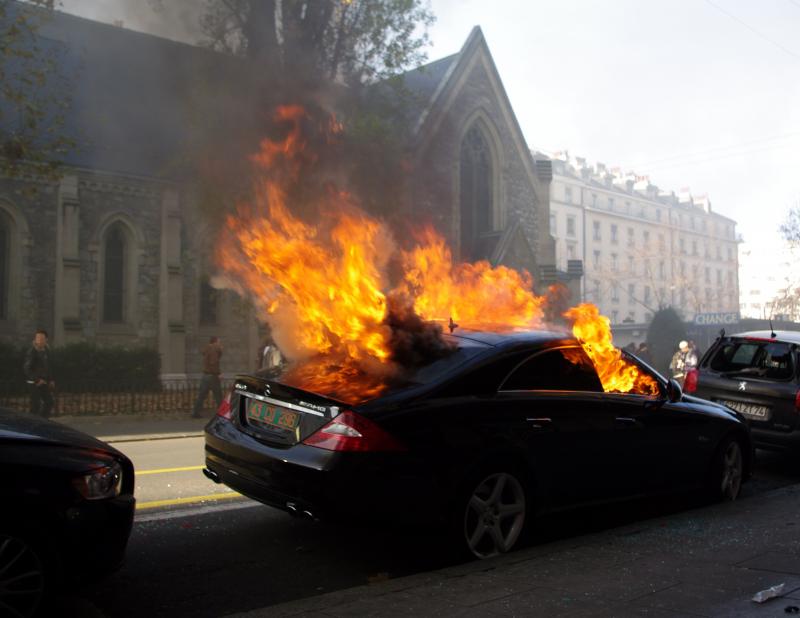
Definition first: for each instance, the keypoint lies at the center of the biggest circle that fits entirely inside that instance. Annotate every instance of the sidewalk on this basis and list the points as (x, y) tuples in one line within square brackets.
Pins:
[(703, 562), (126, 428)]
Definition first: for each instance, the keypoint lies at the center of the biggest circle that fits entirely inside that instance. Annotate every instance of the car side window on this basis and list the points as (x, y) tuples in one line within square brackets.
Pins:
[(562, 369)]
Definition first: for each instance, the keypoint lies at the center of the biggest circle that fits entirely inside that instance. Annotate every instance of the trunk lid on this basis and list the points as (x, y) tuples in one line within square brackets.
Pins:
[(278, 414), (756, 378)]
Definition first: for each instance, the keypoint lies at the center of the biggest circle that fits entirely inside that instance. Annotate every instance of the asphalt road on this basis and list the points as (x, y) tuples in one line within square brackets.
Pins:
[(194, 553)]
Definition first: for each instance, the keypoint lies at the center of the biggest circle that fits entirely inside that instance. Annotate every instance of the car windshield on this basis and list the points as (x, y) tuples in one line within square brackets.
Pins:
[(766, 359)]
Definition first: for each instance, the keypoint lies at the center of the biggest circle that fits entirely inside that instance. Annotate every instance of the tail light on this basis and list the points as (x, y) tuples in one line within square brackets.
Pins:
[(351, 432), (225, 410), (690, 382), (797, 401)]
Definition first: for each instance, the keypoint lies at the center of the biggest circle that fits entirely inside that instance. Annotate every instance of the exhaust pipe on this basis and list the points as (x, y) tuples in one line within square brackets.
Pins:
[(292, 509), (212, 475)]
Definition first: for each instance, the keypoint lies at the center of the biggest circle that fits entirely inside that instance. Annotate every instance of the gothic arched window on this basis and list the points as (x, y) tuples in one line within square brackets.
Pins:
[(114, 279), (476, 193)]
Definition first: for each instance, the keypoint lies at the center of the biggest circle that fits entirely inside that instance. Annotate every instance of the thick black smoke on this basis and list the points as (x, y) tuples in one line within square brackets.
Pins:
[(414, 342)]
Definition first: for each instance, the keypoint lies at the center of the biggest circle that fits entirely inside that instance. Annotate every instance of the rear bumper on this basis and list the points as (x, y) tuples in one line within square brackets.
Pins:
[(323, 484), (776, 440)]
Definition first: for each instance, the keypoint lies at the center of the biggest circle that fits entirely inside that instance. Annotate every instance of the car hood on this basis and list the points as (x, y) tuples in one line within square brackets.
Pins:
[(17, 427), (713, 408)]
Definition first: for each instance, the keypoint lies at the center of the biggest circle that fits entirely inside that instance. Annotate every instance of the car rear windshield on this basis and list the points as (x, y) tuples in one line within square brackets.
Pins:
[(465, 349), (765, 359)]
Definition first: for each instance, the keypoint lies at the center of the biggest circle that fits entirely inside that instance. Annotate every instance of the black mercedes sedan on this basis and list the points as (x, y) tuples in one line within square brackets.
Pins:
[(67, 510), (504, 428)]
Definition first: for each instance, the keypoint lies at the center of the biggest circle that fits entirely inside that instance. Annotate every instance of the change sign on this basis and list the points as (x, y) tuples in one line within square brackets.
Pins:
[(714, 319)]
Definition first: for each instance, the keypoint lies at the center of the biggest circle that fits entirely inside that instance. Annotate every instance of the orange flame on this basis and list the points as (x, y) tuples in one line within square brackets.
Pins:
[(324, 287), (476, 296), (594, 332)]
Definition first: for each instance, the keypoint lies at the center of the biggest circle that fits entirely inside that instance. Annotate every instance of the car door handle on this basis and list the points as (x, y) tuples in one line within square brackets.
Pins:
[(627, 421), (540, 423)]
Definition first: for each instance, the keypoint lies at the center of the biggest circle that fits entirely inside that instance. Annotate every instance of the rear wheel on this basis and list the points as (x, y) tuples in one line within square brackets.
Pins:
[(491, 514), (727, 472), (23, 576)]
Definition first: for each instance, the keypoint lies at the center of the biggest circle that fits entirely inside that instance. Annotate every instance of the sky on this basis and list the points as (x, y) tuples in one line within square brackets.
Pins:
[(694, 93)]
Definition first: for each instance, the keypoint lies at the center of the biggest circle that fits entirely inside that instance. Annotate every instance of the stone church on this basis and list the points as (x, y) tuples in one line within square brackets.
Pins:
[(110, 253)]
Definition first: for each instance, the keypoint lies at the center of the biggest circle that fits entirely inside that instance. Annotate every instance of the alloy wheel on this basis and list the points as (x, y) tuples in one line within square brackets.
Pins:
[(732, 466), (495, 515), (21, 577)]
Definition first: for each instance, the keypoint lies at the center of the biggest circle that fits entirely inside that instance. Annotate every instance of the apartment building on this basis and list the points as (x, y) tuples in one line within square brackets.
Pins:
[(642, 248)]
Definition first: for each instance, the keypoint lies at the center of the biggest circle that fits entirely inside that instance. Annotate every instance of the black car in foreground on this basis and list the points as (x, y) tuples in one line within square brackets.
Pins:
[(67, 510), (757, 374), (505, 427)]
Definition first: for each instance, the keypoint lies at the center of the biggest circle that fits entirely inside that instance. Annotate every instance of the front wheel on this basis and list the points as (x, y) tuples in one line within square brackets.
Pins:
[(492, 514), (727, 472), (23, 576)]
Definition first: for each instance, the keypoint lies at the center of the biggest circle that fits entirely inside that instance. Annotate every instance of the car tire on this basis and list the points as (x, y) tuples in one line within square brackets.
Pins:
[(490, 513), (727, 471), (27, 573)]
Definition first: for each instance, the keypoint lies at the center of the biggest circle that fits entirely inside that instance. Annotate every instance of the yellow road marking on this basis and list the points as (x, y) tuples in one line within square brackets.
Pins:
[(163, 470), (187, 500)]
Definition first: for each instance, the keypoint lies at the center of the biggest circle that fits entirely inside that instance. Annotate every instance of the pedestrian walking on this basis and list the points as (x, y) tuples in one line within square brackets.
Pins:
[(212, 354), (683, 361), (39, 376)]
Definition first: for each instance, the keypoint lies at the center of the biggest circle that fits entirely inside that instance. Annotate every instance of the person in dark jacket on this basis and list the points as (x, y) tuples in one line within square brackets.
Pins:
[(212, 354), (37, 372)]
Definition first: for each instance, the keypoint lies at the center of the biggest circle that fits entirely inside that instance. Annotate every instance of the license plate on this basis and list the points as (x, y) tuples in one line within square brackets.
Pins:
[(749, 410), (267, 414)]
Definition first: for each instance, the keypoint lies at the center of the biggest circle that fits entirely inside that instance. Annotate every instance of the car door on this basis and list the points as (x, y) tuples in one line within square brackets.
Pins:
[(569, 432), (666, 442)]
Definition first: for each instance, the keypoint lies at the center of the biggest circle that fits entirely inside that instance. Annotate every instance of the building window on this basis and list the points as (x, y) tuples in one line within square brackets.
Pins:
[(730, 254), (661, 269), (614, 237), (627, 208), (708, 275), (719, 253), (682, 245), (5, 242), (631, 239), (646, 239), (570, 226), (658, 215), (553, 230), (694, 247), (611, 203), (596, 290), (596, 227), (615, 317), (631, 265), (614, 293), (476, 193), (568, 194), (594, 199), (683, 268), (719, 277), (209, 303), (570, 250), (647, 294), (596, 259), (614, 262), (114, 279), (631, 292)]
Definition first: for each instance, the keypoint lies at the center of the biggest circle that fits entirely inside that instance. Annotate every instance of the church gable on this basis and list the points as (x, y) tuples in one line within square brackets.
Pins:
[(474, 173)]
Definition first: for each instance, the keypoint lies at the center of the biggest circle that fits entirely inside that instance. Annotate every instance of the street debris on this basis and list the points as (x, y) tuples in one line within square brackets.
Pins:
[(769, 593)]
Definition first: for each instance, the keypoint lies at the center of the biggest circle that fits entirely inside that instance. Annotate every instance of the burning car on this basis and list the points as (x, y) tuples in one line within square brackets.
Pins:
[(501, 428)]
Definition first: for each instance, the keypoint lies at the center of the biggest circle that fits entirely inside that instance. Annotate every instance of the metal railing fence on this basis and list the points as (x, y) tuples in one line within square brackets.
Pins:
[(95, 397)]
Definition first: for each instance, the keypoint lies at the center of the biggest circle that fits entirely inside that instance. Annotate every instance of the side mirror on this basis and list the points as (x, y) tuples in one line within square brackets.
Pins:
[(674, 391)]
